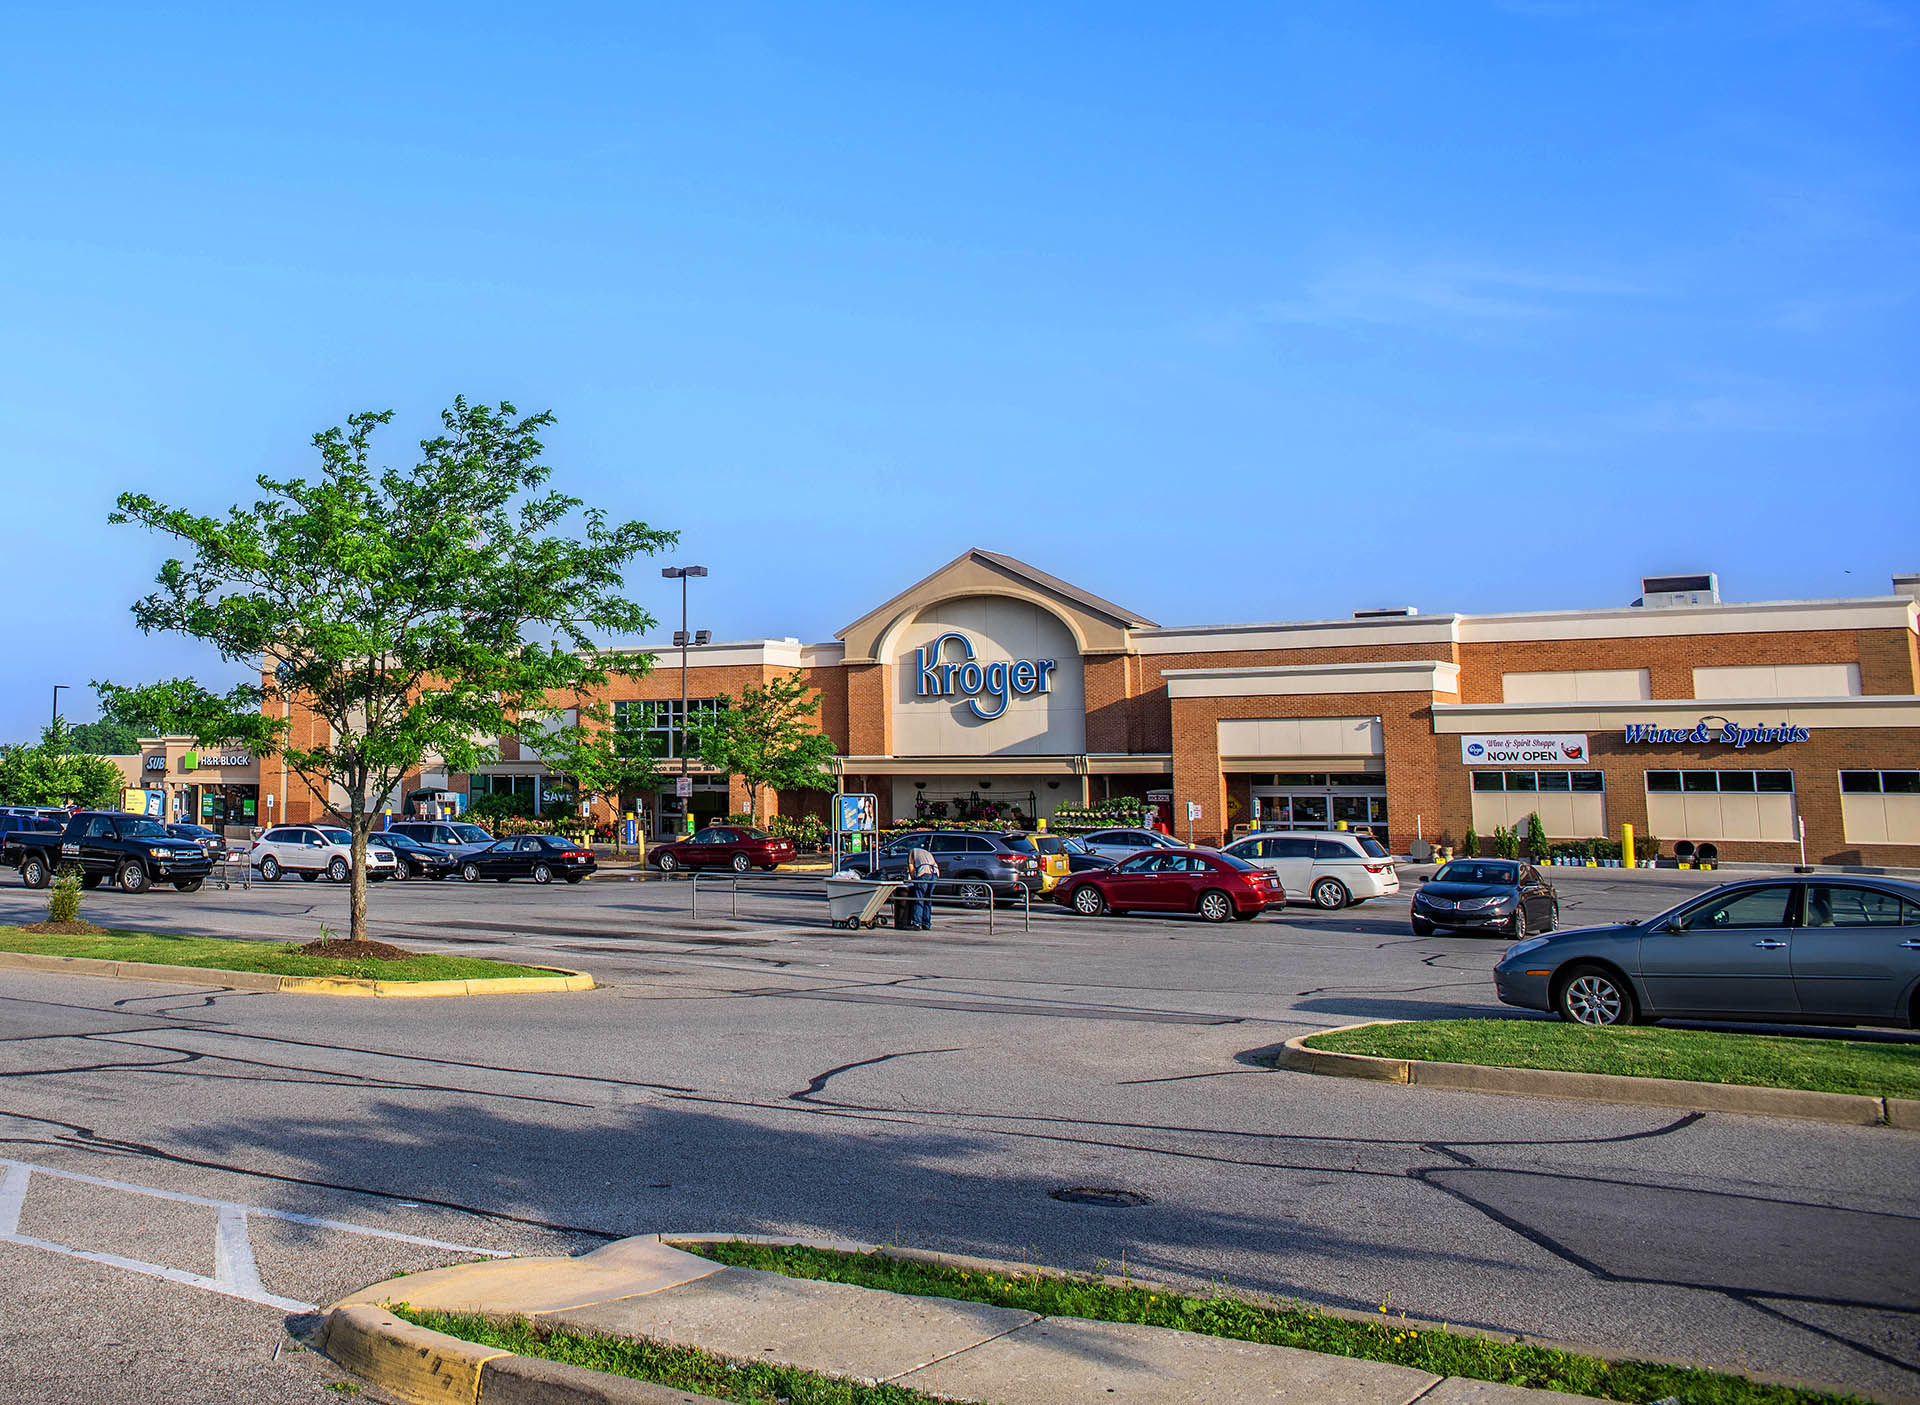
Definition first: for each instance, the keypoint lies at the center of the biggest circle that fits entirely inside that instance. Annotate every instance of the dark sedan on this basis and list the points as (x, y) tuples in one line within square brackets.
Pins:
[(207, 839), (541, 857), (1816, 951), (1216, 886), (736, 846), (1504, 896), (417, 860)]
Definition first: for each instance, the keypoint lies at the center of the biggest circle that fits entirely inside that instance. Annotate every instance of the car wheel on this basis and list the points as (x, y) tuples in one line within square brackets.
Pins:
[(741, 863), (337, 870), (1594, 996), (542, 874), (1422, 927), (668, 863), (1553, 918), (34, 873), (470, 872), (1330, 894), (133, 878), (976, 894), (269, 869), (188, 885), (1215, 905), (1520, 923), (1088, 901)]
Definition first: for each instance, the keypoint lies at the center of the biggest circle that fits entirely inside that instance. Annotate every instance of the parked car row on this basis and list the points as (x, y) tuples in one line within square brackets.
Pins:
[(315, 851)]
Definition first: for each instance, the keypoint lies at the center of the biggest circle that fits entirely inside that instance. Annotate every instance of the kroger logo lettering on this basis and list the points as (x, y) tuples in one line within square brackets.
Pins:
[(1000, 682)]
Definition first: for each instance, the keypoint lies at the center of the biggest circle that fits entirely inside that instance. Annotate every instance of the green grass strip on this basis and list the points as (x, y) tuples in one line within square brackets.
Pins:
[(1707, 1056), (272, 958), (680, 1367), (1443, 1353)]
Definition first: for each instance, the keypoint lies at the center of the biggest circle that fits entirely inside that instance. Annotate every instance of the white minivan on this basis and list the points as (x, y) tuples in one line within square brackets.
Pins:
[(1328, 868)]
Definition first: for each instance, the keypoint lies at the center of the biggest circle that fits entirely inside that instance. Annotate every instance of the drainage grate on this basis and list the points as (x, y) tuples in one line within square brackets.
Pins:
[(1100, 1195)]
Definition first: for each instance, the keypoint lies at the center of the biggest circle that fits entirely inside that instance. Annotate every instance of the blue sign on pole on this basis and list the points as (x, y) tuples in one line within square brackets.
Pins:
[(856, 814)]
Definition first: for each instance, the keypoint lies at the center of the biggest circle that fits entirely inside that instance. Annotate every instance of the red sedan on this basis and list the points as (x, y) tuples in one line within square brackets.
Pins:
[(735, 846), (1215, 885)]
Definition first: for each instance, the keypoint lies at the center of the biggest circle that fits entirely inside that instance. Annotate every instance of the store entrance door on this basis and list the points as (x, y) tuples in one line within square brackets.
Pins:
[(1321, 801)]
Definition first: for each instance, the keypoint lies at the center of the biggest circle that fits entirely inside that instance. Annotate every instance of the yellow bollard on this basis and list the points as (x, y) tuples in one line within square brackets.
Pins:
[(1626, 846)]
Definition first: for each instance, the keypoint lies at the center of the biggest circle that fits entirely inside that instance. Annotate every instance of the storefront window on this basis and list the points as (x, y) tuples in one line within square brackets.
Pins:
[(1722, 805)]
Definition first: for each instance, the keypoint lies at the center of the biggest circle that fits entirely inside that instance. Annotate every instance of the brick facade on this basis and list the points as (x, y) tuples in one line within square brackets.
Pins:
[(1130, 711)]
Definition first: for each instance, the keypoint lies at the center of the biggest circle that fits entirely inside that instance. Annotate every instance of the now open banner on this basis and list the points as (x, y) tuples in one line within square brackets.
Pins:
[(1551, 749)]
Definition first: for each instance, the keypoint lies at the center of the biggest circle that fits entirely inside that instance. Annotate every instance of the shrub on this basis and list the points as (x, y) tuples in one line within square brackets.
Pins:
[(1470, 846), (498, 807), (63, 903), (1537, 846)]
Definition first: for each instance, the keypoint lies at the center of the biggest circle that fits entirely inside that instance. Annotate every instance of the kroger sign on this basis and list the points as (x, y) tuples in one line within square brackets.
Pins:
[(962, 675)]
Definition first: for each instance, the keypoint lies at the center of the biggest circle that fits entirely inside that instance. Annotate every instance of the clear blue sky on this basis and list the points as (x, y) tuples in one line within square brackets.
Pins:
[(1227, 312)]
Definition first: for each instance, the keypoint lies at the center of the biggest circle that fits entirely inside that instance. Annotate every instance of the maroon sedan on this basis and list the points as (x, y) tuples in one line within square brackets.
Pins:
[(1215, 885), (735, 846)]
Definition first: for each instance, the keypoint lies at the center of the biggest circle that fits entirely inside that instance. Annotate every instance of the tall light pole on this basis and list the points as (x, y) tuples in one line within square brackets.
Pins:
[(681, 573), (58, 689)]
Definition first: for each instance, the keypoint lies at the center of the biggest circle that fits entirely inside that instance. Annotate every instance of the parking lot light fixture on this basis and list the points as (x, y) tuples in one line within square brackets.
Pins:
[(681, 637)]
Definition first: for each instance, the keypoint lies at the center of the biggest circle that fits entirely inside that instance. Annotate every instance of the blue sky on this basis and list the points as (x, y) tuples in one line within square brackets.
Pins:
[(1227, 312)]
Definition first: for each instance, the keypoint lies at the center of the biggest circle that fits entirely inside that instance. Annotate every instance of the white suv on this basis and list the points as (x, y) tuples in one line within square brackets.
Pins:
[(1330, 869), (313, 849)]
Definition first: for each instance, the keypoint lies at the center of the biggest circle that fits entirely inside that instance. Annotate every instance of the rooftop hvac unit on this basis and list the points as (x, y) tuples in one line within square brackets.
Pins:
[(1665, 592)]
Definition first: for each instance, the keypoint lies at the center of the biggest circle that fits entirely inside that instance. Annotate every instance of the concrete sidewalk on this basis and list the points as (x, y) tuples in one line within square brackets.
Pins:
[(643, 1287)]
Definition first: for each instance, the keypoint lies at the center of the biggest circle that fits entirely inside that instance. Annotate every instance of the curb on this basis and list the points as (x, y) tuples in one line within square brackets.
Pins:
[(1856, 1109), (561, 980)]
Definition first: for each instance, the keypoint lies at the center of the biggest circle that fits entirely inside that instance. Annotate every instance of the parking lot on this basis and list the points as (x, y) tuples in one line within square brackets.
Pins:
[(768, 1073)]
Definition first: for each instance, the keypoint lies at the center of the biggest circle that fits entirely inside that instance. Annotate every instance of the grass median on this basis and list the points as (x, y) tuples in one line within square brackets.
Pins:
[(270, 958), (1877, 1069), (679, 1367), (1391, 1339)]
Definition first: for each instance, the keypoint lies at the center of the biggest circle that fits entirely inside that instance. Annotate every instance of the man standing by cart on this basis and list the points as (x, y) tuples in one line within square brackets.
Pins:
[(921, 870)]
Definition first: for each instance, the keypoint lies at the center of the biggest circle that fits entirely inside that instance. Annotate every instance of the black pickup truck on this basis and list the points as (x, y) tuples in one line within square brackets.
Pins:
[(135, 851)]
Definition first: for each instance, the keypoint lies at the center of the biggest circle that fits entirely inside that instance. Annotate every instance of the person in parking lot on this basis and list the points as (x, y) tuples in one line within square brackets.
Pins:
[(922, 869)]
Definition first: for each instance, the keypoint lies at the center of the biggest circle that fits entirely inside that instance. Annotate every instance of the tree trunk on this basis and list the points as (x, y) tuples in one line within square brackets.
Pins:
[(357, 880)]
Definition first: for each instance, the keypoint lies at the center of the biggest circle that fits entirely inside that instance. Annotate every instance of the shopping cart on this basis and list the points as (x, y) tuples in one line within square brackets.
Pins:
[(854, 902)]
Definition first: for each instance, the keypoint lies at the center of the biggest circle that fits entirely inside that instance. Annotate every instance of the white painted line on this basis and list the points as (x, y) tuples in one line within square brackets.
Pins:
[(13, 1193), (233, 1266), (186, 1199), (171, 1275)]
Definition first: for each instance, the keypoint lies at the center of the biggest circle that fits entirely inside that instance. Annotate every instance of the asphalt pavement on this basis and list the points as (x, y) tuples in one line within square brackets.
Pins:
[(765, 1073)]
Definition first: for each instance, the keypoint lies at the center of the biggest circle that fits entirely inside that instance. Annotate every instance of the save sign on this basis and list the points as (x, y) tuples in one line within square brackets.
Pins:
[(1553, 749)]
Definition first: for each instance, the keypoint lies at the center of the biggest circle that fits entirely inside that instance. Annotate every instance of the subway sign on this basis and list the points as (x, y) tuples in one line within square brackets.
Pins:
[(962, 675), (1715, 731)]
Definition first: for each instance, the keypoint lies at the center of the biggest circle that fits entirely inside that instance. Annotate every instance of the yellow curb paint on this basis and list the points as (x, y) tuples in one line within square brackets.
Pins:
[(561, 981), (422, 1367)]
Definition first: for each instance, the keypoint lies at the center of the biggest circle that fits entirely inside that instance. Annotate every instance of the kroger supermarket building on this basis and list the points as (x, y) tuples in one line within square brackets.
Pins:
[(1683, 715)]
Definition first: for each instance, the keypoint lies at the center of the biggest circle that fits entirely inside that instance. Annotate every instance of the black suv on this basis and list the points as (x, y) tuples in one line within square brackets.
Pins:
[(997, 864)]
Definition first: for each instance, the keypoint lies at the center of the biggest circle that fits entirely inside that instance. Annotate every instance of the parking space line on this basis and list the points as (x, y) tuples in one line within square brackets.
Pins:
[(234, 1268), (171, 1275), (13, 1194)]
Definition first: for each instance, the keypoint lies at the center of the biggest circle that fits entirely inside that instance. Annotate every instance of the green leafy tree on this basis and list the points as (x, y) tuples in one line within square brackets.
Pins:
[(105, 738), (417, 613), (595, 760), (1537, 845), (768, 738), (1470, 846), (53, 772)]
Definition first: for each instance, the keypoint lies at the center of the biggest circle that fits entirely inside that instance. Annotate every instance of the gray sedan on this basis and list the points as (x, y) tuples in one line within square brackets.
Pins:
[(1812, 950)]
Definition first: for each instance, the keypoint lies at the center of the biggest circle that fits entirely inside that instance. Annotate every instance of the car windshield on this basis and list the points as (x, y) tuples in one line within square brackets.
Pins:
[(1074, 846), (1048, 844), (471, 834), (1236, 861), (1468, 871), (141, 827), (1374, 848), (751, 833), (1017, 843)]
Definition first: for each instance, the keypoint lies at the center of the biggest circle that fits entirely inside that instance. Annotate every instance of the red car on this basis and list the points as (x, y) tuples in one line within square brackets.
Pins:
[(1215, 885), (735, 846)]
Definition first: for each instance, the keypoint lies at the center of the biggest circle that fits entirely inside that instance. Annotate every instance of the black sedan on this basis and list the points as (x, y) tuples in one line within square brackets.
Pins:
[(207, 839), (1821, 950), (541, 857), (1504, 896), (417, 860)]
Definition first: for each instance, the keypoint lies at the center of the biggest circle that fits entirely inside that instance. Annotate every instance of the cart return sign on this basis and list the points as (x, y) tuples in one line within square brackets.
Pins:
[(1554, 749)]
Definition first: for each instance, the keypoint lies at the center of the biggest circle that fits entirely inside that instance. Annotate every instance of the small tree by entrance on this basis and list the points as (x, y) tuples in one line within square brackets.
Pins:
[(596, 760), (768, 738)]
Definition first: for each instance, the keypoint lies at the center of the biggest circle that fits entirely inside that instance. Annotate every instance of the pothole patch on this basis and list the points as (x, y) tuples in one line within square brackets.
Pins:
[(1107, 1196)]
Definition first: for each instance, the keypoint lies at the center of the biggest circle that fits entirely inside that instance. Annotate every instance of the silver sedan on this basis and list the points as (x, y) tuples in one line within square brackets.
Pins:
[(1813, 950)]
